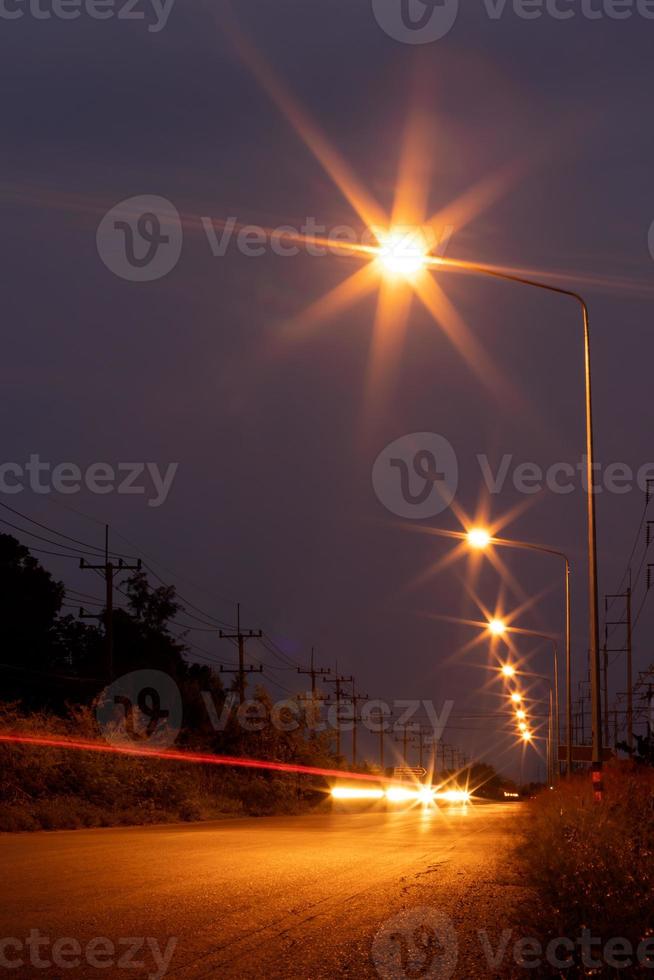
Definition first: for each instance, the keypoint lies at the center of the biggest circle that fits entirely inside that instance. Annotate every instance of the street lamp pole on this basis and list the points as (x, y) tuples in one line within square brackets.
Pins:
[(529, 546), (593, 616), (555, 657)]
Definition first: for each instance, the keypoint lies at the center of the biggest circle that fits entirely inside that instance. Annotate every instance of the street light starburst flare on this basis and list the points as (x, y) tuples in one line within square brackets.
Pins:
[(402, 252)]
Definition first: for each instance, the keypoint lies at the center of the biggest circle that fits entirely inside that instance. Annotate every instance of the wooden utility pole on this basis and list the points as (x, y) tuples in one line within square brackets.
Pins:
[(405, 729), (241, 636), (108, 569), (338, 681), (314, 673), (630, 689), (355, 698)]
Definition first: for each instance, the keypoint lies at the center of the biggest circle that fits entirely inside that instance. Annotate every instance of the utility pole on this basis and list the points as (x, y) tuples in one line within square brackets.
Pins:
[(606, 694), (404, 739), (314, 672), (626, 648), (382, 732), (630, 690), (354, 699), (108, 569), (422, 731), (338, 681), (241, 670)]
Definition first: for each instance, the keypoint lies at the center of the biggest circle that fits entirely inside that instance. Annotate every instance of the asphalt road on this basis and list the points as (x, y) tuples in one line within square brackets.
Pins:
[(286, 897)]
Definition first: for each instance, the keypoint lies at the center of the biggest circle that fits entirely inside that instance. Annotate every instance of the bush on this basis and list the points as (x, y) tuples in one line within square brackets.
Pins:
[(50, 788), (593, 863)]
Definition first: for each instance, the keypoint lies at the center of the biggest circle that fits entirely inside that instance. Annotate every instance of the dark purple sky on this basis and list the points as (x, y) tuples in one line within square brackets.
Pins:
[(273, 502)]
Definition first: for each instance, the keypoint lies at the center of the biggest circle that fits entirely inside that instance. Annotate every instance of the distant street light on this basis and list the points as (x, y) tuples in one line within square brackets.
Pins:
[(555, 656), (481, 539), (508, 670)]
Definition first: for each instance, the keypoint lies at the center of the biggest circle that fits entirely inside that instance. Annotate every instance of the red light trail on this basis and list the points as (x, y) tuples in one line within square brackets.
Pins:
[(172, 755)]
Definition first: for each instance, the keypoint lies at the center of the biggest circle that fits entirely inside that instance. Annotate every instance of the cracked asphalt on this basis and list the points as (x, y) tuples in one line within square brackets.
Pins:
[(342, 894)]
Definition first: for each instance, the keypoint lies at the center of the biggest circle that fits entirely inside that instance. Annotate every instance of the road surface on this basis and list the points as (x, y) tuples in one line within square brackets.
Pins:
[(282, 897)]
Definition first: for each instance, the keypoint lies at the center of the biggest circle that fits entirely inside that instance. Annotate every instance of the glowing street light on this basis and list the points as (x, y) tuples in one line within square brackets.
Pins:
[(527, 736), (508, 670), (516, 697), (497, 627), (520, 714), (522, 726), (402, 252), (554, 687), (478, 538)]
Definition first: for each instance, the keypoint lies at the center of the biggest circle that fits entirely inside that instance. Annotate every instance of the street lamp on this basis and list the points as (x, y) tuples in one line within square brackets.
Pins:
[(555, 656), (508, 670), (593, 617), (480, 539), (497, 627)]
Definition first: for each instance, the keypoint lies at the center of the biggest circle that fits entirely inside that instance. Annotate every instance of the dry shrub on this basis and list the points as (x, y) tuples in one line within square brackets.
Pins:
[(50, 788), (592, 864)]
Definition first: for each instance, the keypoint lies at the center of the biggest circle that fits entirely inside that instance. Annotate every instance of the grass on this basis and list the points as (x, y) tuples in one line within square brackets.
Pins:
[(592, 864)]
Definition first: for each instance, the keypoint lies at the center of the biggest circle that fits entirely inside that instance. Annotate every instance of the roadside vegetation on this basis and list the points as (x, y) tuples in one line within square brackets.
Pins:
[(592, 864), (45, 788), (50, 682)]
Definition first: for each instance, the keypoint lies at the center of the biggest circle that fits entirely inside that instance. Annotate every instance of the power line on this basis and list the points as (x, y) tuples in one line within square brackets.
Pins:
[(52, 530)]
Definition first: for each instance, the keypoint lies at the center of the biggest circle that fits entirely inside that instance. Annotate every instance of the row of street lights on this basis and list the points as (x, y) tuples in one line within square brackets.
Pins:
[(497, 627), (481, 540)]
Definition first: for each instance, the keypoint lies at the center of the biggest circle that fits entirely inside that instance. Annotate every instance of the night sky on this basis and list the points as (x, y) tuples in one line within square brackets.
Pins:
[(273, 503)]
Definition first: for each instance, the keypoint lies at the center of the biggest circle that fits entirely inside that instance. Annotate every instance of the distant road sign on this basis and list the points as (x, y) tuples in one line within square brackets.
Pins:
[(418, 771), (583, 753)]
